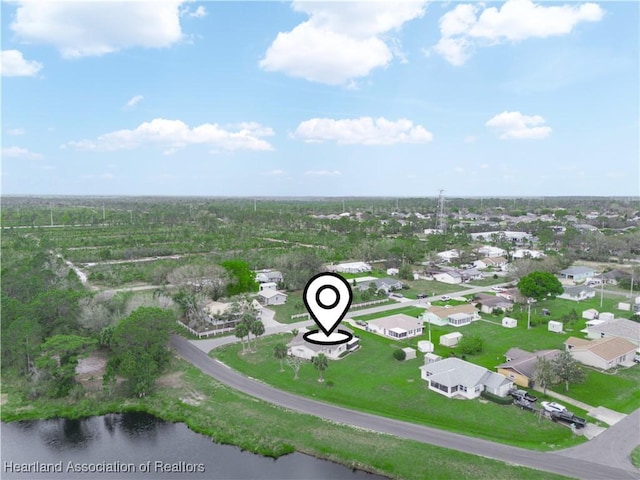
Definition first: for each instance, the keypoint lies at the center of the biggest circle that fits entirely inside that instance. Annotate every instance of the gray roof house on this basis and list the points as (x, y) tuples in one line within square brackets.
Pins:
[(521, 365), (299, 347), (577, 274), (577, 293), (618, 327), (453, 377), (612, 277), (387, 284)]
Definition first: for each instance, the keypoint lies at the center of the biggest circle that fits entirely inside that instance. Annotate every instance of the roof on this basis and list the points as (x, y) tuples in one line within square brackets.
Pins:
[(442, 312), (525, 362), (460, 316), (399, 320), (270, 293), (618, 327), (493, 300), (606, 348), (493, 260), (571, 290), (576, 270), (454, 371), (614, 275), (452, 335)]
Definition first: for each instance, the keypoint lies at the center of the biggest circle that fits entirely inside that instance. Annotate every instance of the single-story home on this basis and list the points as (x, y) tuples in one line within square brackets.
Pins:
[(520, 365), (272, 297), (399, 326), (448, 255), (450, 276), (453, 377), (512, 294), (527, 253), (491, 262), (352, 267), (471, 274), (488, 303), (299, 347), (450, 339), (613, 277), (385, 284), (618, 327), (442, 315), (490, 251), (269, 276), (577, 293), (577, 273), (513, 237), (603, 353)]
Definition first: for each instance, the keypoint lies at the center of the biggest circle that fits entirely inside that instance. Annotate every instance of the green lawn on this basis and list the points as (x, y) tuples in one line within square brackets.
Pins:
[(430, 287), (488, 281), (411, 311), (371, 380)]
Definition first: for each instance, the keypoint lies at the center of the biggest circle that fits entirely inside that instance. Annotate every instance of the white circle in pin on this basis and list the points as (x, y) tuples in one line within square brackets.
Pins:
[(327, 297)]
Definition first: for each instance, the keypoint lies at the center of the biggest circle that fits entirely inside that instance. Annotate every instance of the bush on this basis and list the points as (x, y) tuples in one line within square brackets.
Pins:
[(470, 345), (399, 355), (496, 398)]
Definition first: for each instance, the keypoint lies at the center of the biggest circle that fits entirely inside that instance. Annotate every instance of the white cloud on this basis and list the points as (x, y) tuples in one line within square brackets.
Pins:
[(172, 135), (16, 131), (134, 101), (340, 41), (19, 152), (468, 25), (199, 12), (13, 64), (518, 126), (323, 173), (80, 29), (363, 130)]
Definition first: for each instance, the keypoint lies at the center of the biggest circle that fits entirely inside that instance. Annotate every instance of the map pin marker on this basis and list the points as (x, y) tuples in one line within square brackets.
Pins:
[(327, 297)]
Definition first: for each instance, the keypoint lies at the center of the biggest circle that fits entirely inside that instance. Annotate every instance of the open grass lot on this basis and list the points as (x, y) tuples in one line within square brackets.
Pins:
[(488, 281), (430, 287), (228, 416), (371, 380)]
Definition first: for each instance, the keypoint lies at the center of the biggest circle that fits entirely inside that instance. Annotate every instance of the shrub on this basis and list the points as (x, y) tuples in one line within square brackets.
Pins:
[(399, 355), (470, 345), (496, 398)]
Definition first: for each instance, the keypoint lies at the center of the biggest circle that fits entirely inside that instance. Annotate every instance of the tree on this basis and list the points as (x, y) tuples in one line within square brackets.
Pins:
[(399, 354), (257, 328), (295, 363), (405, 272), (568, 370), (280, 352), (242, 277), (240, 332), (539, 285), (59, 360), (321, 363), (139, 345), (544, 374), (470, 344)]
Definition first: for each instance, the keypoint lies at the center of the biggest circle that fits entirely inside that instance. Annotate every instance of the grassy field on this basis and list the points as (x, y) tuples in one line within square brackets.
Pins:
[(411, 311), (227, 416), (371, 380), (487, 282)]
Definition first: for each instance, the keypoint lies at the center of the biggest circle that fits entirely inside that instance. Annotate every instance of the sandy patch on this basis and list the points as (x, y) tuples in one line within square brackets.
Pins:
[(173, 380)]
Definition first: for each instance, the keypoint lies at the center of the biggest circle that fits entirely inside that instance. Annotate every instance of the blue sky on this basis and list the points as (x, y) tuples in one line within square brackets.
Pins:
[(405, 98)]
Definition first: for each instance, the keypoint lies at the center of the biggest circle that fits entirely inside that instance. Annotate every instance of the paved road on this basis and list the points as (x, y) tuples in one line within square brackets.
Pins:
[(575, 463)]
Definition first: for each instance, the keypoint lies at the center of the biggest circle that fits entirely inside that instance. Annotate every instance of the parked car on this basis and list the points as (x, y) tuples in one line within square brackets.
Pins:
[(361, 323), (568, 417), (422, 295), (497, 289), (444, 298), (396, 295), (553, 407), (523, 395)]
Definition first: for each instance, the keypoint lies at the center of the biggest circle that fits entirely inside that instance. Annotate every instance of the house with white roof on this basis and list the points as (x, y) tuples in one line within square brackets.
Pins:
[(577, 293), (453, 377), (456, 316), (618, 327), (272, 297), (448, 255), (491, 252), (397, 327), (352, 267), (299, 347)]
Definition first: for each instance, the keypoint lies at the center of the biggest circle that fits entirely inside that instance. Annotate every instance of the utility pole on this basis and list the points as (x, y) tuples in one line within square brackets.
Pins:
[(103, 213), (441, 223), (51, 211), (601, 291), (528, 313), (255, 204)]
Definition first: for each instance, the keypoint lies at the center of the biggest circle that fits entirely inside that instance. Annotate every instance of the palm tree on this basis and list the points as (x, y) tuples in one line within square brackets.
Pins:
[(241, 331), (257, 328), (294, 332), (321, 363), (280, 352)]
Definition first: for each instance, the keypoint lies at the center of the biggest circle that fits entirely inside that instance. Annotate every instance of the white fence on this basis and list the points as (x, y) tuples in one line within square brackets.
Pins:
[(208, 333), (357, 305)]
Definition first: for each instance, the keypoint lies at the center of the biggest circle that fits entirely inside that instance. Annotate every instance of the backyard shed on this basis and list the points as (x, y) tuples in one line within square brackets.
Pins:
[(425, 346), (555, 326), (430, 358), (410, 353), (509, 322), (450, 339), (624, 306)]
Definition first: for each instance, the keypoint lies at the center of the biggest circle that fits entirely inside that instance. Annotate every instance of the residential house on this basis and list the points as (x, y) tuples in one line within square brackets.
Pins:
[(497, 263), (453, 377), (470, 274), (489, 303), (269, 276), (272, 297), (385, 284), (520, 365), (299, 347), (612, 277), (577, 273), (450, 315), (602, 353), (352, 267), (398, 326), (449, 276), (517, 238), (448, 255), (527, 253), (512, 294), (491, 252), (618, 327), (577, 293)]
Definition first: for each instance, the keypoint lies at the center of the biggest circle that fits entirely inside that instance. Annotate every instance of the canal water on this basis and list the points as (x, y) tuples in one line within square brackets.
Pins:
[(140, 446)]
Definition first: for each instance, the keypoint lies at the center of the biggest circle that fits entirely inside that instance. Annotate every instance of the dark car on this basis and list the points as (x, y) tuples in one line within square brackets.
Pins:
[(523, 395), (568, 417), (422, 295)]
